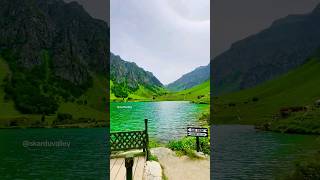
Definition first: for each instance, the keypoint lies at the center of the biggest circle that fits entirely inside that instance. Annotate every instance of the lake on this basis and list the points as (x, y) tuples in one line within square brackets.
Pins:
[(241, 152), (167, 120), (86, 157)]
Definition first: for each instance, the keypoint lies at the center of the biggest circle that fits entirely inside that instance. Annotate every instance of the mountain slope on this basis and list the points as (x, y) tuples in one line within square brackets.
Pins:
[(263, 103), (128, 78), (76, 42), (191, 79), (263, 56), (57, 59), (6, 106), (198, 94)]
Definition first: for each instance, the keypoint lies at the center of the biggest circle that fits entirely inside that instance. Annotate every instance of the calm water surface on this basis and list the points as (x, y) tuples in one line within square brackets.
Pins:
[(167, 119), (241, 152), (86, 158)]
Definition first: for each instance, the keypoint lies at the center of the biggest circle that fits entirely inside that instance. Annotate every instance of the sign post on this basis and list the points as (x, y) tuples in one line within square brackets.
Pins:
[(197, 132)]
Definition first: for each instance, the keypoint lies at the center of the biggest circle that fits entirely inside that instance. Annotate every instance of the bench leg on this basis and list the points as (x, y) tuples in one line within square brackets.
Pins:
[(129, 165)]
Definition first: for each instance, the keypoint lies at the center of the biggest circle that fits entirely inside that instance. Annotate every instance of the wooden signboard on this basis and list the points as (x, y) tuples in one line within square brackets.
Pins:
[(197, 132)]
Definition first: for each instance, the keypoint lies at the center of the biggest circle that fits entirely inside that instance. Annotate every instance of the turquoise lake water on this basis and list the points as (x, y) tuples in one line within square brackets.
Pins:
[(85, 158), (167, 119), (241, 152)]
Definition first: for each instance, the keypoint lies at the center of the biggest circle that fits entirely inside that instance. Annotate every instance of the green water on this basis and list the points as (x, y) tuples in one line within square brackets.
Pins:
[(167, 119), (85, 158), (241, 152)]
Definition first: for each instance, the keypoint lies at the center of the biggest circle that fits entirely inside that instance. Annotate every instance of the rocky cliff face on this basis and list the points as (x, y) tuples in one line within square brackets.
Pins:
[(129, 73), (193, 78), (263, 56), (77, 43)]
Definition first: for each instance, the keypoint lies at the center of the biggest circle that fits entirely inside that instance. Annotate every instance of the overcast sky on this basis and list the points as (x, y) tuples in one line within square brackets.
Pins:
[(166, 37), (96, 8), (234, 20)]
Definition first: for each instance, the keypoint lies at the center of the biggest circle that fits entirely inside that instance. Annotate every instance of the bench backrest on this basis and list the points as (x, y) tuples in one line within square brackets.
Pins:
[(121, 141)]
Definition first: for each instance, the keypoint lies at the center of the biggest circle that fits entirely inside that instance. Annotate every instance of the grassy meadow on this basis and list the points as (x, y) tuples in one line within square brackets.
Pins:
[(86, 111), (284, 104)]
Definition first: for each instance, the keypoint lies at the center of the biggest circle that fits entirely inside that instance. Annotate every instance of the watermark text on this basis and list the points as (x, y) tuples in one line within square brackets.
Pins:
[(46, 143)]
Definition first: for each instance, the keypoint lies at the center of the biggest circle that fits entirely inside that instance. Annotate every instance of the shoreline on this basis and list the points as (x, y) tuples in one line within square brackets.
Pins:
[(146, 100)]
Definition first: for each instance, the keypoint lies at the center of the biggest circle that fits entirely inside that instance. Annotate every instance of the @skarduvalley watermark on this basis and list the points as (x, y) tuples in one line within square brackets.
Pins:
[(46, 143)]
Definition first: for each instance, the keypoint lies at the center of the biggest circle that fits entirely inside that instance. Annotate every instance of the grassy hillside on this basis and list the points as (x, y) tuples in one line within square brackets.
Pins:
[(91, 104), (197, 94), (87, 111), (141, 94), (6, 106), (271, 103)]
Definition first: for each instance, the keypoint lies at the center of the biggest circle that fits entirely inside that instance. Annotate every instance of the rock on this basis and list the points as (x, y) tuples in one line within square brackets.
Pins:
[(152, 171), (76, 43), (130, 74), (200, 155)]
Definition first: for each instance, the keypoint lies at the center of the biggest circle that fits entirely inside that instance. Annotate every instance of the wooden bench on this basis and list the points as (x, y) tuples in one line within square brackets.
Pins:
[(130, 140)]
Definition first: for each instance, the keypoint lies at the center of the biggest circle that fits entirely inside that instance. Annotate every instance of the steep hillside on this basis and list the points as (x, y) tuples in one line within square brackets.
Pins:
[(189, 80), (74, 40), (284, 104), (131, 81), (57, 58), (285, 45), (197, 94), (6, 106)]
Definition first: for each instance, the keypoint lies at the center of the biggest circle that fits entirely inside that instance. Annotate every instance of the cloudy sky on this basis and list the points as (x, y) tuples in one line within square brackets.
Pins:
[(96, 8), (233, 20), (166, 37)]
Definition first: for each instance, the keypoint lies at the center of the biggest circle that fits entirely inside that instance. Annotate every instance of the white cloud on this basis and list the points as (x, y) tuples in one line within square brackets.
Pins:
[(167, 37)]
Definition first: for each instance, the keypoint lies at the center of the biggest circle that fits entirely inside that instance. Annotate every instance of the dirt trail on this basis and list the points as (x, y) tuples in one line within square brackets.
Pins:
[(176, 168)]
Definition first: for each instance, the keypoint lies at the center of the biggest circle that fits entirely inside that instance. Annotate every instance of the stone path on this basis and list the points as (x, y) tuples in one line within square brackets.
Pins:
[(176, 168)]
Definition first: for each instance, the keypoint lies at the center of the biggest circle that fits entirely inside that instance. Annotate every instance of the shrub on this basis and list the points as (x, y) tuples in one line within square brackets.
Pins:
[(232, 104), (120, 90), (187, 145), (309, 169), (153, 158), (61, 117), (255, 99), (13, 123)]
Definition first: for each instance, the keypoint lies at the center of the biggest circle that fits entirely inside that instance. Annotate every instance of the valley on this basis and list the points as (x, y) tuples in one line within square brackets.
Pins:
[(131, 83), (268, 82), (265, 105)]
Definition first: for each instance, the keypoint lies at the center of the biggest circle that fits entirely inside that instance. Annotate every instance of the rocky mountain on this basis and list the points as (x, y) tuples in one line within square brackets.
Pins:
[(129, 74), (54, 50), (285, 45), (191, 79), (76, 42)]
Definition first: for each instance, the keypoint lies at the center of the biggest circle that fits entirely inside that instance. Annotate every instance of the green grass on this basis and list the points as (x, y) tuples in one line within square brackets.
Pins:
[(96, 95), (141, 94), (153, 158), (6, 107), (308, 168), (197, 94), (187, 146), (258, 105), (81, 111), (94, 108)]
